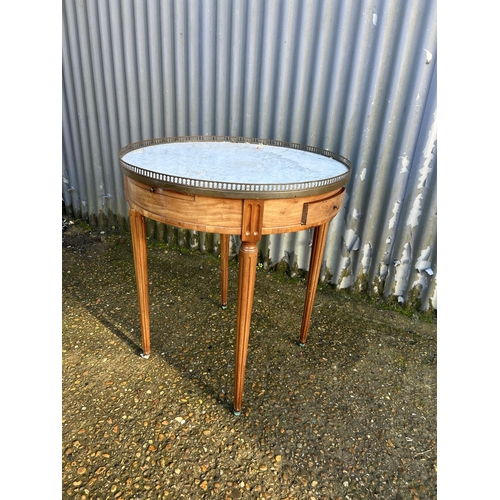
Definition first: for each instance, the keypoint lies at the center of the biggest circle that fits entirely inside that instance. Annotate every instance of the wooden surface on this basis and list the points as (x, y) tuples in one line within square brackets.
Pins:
[(224, 268), (250, 219), (225, 215), (138, 230), (317, 250)]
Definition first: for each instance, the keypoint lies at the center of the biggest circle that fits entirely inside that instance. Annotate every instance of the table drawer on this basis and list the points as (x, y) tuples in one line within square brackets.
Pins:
[(322, 210)]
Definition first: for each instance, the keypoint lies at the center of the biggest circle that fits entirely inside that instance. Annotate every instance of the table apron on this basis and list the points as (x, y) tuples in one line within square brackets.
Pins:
[(225, 215)]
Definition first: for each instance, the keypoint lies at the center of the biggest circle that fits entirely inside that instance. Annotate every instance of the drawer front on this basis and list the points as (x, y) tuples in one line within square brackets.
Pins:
[(322, 210), (297, 214)]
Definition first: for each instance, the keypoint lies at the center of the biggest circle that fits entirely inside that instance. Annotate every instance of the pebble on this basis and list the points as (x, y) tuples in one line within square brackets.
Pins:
[(299, 427)]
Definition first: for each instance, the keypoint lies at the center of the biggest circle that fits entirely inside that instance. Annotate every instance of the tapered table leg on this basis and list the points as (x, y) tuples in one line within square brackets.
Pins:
[(246, 285), (224, 267), (317, 250), (138, 230)]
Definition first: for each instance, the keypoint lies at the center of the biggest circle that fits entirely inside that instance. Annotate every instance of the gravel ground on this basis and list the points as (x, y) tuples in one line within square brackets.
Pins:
[(351, 415)]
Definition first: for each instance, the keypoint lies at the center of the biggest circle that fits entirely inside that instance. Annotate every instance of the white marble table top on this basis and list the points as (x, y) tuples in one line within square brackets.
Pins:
[(234, 166)]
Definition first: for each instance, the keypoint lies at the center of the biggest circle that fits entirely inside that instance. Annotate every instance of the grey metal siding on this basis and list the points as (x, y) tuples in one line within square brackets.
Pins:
[(357, 77)]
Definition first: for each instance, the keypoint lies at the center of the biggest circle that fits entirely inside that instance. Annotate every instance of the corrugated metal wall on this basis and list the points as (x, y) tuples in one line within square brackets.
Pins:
[(357, 77)]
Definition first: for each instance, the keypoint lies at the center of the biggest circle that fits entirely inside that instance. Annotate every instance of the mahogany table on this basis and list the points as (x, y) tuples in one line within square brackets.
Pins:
[(232, 185)]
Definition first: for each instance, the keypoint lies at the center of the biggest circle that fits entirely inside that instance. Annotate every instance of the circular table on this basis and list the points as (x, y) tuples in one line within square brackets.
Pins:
[(232, 185)]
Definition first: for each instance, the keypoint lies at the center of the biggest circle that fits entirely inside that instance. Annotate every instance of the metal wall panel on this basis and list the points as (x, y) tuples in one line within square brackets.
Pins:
[(357, 77)]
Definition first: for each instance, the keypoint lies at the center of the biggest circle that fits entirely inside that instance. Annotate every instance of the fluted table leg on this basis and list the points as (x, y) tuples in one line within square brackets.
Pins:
[(317, 250), (224, 267), (251, 230), (138, 230), (246, 285)]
